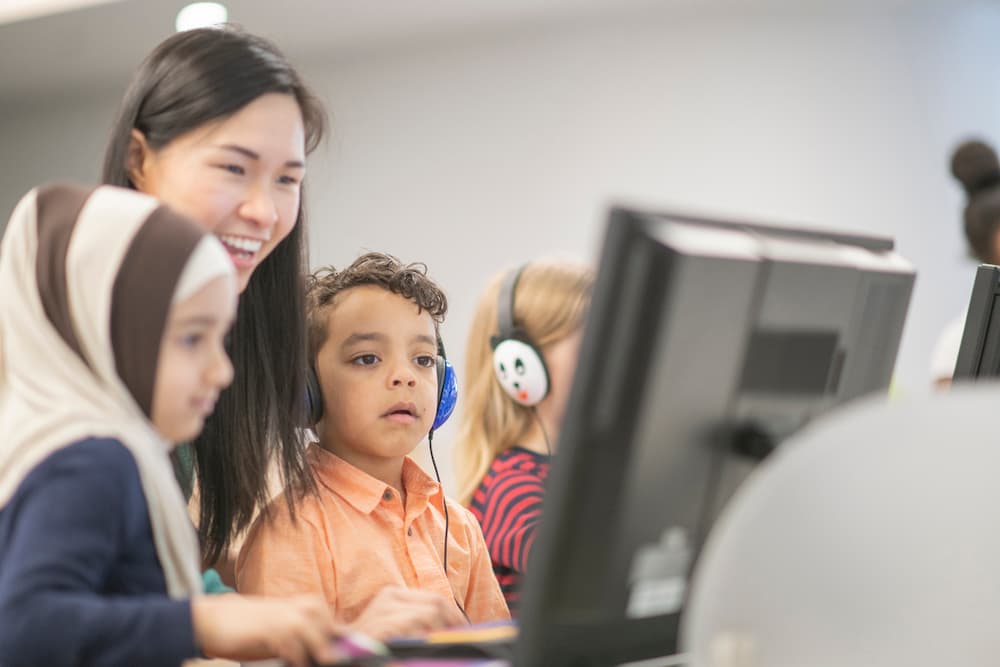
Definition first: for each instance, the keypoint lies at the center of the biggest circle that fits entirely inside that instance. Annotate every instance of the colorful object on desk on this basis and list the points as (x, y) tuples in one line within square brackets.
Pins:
[(481, 645), (483, 641), (447, 662), (354, 648), (480, 632)]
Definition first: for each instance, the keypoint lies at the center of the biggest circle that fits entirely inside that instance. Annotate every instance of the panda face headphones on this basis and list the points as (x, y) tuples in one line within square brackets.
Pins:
[(519, 365), (447, 390)]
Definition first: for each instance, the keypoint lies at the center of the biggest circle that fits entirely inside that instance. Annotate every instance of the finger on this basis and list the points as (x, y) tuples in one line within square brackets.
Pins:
[(423, 611), (317, 642), (294, 653), (405, 624), (317, 611), (448, 612)]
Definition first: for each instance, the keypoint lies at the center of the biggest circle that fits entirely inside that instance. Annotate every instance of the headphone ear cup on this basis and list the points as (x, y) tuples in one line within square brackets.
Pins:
[(314, 397), (447, 392), (521, 371)]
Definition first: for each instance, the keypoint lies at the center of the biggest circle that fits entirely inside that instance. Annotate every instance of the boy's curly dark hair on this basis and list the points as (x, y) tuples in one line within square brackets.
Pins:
[(374, 268)]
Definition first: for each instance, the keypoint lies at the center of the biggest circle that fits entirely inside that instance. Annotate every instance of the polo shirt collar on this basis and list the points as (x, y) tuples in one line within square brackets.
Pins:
[(361, 490)]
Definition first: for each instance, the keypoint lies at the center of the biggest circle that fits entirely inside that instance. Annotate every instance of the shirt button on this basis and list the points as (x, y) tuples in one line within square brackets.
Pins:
[(387, 495)]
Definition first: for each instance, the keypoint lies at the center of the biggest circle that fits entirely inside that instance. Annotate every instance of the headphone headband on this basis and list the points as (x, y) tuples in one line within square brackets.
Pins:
[(506, 328)]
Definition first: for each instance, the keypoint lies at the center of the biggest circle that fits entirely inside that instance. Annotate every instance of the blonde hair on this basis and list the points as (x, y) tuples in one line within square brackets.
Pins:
[(551, 299)]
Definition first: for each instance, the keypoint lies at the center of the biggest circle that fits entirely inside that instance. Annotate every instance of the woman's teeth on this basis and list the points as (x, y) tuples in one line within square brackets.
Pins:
[(240, 243)]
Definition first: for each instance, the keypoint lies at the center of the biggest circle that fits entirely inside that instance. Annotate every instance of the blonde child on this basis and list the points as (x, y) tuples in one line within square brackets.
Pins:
[(520, 360), (379, 527)]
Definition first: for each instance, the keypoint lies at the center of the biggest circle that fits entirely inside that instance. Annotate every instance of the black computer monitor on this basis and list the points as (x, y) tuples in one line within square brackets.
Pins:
[(979, 353), (707, 343)]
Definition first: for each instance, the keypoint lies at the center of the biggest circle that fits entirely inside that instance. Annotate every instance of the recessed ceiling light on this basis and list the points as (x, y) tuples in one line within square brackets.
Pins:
[(201, 15)]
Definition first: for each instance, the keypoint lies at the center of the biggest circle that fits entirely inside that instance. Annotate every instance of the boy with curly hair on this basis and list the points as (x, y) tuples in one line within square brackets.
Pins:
[(372, 539)]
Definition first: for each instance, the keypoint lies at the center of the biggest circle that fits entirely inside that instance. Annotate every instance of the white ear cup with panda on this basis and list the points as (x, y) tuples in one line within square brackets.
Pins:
[(520, 371), (519, 366)]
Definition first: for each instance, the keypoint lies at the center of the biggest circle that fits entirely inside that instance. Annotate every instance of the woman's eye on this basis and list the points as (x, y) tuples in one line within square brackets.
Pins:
[(365, 360), (288, 180), (425, 361), (233, 169)]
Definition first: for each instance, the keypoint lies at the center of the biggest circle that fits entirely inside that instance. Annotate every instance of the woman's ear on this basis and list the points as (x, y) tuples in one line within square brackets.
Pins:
[(136, 160)]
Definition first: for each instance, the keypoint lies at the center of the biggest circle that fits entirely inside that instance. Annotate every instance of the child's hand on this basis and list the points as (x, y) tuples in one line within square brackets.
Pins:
[(404, 612), (239, 627)]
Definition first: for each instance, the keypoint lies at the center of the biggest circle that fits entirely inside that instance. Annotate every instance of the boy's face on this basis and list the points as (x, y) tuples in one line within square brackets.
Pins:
[(377, 372)]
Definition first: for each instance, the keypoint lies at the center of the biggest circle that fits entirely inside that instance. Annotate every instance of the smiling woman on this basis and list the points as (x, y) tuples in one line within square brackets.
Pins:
[(240, 176), (217, 124)]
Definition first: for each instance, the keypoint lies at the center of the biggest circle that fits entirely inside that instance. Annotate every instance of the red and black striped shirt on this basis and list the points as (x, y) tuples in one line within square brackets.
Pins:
[(508, 506)]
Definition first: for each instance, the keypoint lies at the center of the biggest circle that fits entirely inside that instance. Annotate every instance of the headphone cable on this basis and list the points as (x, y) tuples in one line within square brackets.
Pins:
[(444, 506), (444, 501), (541, 424)]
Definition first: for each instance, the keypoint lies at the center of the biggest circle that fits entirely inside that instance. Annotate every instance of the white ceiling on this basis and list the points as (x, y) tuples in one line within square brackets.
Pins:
[(22, 10), (101, 44)]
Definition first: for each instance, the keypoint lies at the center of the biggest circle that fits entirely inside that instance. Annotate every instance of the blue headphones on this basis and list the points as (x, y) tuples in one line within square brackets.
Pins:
[(447, 391)]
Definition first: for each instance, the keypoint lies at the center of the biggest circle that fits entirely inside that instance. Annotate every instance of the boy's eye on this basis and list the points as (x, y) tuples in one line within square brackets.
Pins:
[(425, 360), (365, 360)]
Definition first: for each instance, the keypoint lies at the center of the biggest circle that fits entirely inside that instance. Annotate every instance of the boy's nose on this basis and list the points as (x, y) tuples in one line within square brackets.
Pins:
[(402, 374)]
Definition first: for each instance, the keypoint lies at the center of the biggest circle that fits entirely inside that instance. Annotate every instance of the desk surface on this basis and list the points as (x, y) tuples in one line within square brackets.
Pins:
[(665, 661)]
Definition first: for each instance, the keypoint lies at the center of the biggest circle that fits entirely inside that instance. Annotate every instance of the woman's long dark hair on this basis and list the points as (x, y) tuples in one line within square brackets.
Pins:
[(190, 79)]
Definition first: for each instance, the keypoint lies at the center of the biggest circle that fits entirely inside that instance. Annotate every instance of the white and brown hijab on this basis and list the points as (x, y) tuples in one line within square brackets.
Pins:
[(87, 279)]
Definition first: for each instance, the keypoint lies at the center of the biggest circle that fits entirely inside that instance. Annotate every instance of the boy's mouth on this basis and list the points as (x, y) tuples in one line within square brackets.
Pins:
[(402, 409), (402, 412)]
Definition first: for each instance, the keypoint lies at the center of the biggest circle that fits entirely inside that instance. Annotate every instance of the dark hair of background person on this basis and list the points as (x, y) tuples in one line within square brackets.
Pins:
[(190, 79), (974, 163)]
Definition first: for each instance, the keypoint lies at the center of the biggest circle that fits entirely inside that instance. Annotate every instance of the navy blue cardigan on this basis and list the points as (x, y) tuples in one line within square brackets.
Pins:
[(80, 582)]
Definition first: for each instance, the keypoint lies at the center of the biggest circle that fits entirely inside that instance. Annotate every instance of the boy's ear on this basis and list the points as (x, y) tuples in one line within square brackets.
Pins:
[(137, 160)]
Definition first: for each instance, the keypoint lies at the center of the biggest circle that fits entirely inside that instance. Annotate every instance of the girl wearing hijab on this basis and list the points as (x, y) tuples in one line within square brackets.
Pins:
[(115, 311)]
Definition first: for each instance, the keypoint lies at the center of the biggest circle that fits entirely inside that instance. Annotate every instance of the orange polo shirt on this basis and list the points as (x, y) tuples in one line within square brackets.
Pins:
[(354, 537)]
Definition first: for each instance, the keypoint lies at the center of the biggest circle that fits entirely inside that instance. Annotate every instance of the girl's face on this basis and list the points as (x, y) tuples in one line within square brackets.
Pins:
[(239, 177), (193, 367), (561, 359)]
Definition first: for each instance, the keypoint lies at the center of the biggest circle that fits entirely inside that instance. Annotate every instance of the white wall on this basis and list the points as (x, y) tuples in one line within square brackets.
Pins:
[(53, 139), (478, 152)]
